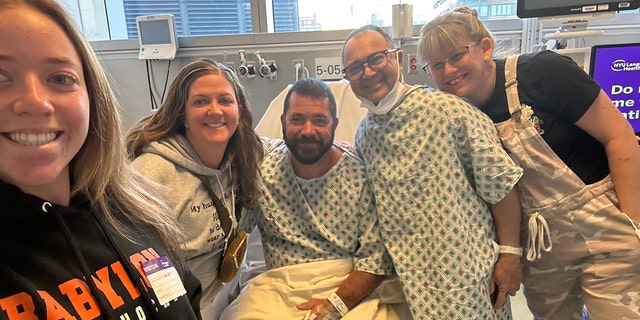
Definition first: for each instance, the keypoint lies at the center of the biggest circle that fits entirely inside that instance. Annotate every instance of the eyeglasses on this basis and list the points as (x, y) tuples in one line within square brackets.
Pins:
[(375, 61), (437, 67)]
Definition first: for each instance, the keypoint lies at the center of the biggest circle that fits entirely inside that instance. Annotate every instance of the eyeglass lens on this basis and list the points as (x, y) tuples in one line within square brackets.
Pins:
[(375, 61), (453, 61)]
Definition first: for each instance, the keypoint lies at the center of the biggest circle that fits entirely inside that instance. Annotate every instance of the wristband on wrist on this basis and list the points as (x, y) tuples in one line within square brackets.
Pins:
[(338, 304), (512, 250)]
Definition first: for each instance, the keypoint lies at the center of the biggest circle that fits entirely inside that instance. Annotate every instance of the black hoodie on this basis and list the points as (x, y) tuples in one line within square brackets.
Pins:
[(47, 252)]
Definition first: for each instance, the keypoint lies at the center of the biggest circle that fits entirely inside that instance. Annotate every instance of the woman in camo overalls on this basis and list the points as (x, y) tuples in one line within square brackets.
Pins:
[(579, 191)]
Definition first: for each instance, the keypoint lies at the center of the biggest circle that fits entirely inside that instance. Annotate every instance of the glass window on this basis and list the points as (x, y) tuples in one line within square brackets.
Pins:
[(341, 14), (193, 17), (115, 19), (90, 18)]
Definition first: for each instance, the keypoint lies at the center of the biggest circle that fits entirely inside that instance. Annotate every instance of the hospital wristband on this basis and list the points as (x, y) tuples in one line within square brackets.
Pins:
[(338, 304), (512, 250)]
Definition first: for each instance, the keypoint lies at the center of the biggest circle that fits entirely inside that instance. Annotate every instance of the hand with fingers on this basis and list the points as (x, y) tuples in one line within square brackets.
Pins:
[(506, 279), (319, 309)]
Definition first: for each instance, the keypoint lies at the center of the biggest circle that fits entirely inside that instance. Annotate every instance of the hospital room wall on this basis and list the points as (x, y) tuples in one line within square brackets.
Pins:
[(129, 75)]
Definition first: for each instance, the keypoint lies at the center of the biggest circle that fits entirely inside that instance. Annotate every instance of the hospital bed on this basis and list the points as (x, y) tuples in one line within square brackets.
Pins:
[(349, 113)]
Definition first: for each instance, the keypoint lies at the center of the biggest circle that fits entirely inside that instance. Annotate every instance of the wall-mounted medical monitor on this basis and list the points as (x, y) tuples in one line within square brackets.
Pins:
[(157, 35), (550, 8), (616, 68)]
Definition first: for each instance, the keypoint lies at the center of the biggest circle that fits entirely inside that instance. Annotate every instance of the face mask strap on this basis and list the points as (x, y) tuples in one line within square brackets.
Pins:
[(400, 76)]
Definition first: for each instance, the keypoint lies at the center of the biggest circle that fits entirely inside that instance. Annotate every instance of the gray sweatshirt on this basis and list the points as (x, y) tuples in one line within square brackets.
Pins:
[(173, 163)]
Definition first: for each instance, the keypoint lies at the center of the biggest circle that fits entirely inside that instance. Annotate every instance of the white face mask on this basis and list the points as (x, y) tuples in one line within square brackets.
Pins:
[(389, 101)]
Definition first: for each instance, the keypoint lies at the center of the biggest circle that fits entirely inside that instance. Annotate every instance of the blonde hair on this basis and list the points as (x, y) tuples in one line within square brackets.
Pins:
[(448, 30), (100, 170), (170, 118)]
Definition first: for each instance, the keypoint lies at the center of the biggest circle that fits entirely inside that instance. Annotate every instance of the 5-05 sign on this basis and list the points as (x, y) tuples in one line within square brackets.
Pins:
[(329, 68)]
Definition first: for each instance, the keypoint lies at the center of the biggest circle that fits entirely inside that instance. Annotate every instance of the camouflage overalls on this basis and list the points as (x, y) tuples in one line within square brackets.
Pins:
[(584, 250)]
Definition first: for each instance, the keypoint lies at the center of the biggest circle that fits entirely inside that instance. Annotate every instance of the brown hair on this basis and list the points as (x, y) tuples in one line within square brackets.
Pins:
[(170, 118), (100, 170)]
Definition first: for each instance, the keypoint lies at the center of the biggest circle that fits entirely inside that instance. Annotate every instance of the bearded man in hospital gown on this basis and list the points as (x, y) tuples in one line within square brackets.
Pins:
[(318, 224)]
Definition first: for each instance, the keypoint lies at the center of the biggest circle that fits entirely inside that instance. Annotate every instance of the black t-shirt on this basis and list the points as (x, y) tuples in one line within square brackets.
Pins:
[(559, 92)]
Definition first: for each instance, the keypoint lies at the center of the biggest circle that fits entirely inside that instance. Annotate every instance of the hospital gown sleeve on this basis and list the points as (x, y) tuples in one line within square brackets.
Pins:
[(486, 163), (371, 256)]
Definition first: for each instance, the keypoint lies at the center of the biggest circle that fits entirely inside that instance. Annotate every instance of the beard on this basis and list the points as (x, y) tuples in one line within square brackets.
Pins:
[(308, 149)]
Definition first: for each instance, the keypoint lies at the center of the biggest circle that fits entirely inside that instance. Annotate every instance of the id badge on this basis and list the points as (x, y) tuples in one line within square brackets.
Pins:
[(164, 279)]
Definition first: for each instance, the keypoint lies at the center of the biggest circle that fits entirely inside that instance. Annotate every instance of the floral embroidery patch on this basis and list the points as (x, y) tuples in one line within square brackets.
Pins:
[(528, 112)]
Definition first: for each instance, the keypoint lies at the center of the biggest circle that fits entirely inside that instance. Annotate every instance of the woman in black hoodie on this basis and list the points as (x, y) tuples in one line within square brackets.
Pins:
[(81, 235)]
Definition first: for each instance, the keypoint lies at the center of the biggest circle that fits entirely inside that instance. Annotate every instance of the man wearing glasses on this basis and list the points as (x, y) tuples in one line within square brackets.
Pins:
[(444, 187)]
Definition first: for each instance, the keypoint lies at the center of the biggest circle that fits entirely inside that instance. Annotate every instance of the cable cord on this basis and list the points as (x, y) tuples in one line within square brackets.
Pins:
[(301, 69), (154, 105), (166, 81), (151, 83), (298, 66)]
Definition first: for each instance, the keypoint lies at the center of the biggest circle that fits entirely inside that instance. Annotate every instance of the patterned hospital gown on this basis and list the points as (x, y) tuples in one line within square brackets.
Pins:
[(329, 217), (434, 163)]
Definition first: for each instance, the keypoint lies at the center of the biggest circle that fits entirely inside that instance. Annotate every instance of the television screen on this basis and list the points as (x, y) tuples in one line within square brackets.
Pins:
[(549, 8), (616, 68)]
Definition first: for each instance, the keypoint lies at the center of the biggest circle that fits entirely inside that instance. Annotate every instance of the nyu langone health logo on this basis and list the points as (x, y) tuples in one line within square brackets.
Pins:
[(621, 65)]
